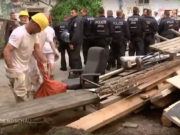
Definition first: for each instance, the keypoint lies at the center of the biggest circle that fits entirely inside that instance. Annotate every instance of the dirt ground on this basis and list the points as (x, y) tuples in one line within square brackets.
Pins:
[(148, 122)]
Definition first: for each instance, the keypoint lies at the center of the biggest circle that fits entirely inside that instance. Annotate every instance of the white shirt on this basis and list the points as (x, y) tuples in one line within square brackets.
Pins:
[(157, 18), (50, 33), (24, 46)]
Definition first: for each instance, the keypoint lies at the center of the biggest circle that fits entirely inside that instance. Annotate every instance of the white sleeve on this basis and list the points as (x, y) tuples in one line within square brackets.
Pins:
[(15, 38), (50, 36)]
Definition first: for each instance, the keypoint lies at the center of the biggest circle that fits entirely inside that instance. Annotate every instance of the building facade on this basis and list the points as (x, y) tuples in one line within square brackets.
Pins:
[(127, 5), (32, 6)]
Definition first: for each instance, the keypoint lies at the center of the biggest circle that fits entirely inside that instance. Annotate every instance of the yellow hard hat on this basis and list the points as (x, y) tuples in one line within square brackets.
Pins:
[(41, 20), (23, 13)]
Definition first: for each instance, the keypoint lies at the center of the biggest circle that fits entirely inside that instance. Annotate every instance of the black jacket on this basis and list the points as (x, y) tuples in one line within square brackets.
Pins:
[(75, 29), (59, 28), (164, 26), (120, 29), (152, 25), (137, 25), (88, 20), (102, 27)]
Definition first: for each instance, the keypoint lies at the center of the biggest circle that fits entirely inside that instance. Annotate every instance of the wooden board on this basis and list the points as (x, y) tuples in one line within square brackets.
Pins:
[(173, 113), (163, 93), (175, 81), (47, 105), (167, 100), (112, 112), (170, 46)]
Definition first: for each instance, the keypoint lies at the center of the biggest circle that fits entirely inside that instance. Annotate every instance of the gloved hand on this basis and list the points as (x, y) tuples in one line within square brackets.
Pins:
[(11, 73)]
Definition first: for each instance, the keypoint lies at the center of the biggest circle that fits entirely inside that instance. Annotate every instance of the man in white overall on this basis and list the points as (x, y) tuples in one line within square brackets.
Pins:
[(22, 43)]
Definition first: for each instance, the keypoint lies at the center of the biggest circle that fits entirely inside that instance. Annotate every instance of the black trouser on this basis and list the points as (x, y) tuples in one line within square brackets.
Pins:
[(63, 47), (136, 46), (104, 43), (111, 59), (148, 40), (118, 50), (75, 58), (88, 43)]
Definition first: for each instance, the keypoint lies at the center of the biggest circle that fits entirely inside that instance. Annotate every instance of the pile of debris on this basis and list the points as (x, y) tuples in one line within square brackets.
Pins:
[(147, 80)]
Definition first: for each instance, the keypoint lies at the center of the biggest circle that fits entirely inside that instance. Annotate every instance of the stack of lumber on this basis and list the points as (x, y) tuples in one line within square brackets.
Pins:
[(160, 95)]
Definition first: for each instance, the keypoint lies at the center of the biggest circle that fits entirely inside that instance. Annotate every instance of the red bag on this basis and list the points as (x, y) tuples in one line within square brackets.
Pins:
[(48, 87)]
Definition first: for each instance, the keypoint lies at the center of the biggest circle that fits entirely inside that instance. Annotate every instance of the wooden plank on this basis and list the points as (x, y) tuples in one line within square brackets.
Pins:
[(167, 100), (173, 113), (48, 105), (175, 81), (163, 93), (165, 43), (112, 112), (45, 100)]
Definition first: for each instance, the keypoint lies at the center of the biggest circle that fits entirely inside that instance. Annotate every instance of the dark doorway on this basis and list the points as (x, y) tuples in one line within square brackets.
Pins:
[(31, 14)]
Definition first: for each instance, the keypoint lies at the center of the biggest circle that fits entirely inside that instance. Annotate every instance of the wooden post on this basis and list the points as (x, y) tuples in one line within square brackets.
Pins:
[(161, 37)]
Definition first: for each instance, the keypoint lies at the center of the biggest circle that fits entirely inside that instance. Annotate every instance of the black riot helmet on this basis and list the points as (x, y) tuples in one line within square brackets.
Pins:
[(65, 36)]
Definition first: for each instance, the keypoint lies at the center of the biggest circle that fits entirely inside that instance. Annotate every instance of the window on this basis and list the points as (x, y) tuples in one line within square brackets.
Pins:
[(142, 2)]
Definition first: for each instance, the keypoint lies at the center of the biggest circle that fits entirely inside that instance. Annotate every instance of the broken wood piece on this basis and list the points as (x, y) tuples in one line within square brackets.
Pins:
[(163, 93), (111, 113), (143, 96), (160, 86), (169, 99), (129, 125)]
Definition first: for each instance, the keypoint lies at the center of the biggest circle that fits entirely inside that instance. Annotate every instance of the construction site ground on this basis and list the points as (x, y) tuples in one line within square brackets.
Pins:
[(148, 121)]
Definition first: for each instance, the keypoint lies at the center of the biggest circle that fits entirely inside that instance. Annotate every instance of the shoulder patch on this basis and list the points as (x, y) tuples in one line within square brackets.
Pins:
[(75, 24)]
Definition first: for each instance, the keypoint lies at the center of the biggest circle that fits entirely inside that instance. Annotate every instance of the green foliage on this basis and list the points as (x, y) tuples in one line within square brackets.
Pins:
[(63, 7)]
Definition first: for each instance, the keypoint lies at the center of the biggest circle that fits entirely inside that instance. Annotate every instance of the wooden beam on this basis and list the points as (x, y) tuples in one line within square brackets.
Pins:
[(113, 112)]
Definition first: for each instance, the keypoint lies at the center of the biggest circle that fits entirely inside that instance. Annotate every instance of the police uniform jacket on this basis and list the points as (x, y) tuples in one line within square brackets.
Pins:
[(151, 25), (165, 25), (102, 27), (59, 28), (75, 29), (88, 20), (121, 29), (137, 25)]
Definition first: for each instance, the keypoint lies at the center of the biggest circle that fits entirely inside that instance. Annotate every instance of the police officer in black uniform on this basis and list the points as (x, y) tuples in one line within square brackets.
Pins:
[(88, 40), (144, 12), (121, 33), (111, 59), (63, 46), (137, 27), (177, 23), (165, 25), (75, 29), (102, 29), (151, 30)]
